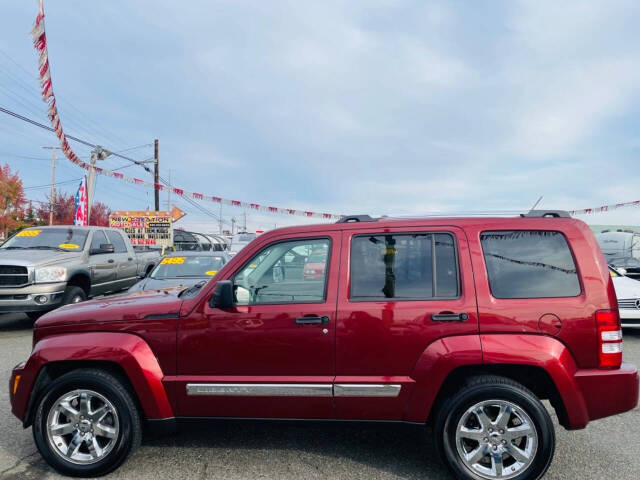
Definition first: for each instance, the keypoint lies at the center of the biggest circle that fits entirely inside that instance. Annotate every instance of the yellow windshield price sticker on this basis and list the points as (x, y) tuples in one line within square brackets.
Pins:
[(172, 261), (29, 233), (69, 246), (211, 272), (253, 265)]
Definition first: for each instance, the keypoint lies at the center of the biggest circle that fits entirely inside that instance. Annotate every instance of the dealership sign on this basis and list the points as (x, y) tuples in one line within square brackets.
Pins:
[(152, 228)]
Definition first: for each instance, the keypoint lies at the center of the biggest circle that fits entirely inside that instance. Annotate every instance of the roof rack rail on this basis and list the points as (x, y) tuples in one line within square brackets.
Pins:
[(546, 213), (357, 218)]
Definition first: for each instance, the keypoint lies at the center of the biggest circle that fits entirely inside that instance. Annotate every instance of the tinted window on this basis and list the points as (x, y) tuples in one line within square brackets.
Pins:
[(277, 275), (529, 264), (403, 267), (98, 239), (117, 241)]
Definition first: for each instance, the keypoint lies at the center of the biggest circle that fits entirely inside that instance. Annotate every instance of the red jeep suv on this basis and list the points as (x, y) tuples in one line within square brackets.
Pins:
[(464, 324)]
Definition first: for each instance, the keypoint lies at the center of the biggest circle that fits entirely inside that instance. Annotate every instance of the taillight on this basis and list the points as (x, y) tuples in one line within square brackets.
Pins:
[(609, 338)]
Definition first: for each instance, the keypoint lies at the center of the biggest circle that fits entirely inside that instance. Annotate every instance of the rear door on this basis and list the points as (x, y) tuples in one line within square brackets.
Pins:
[(400, 290), (126, 264), (102, 265)]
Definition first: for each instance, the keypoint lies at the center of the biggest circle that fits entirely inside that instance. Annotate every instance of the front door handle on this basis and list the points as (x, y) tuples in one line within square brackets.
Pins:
[(449, 317), (312, 320), (111, 260)]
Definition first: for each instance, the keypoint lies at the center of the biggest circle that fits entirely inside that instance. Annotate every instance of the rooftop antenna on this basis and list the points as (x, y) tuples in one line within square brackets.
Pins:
[(537, 202)]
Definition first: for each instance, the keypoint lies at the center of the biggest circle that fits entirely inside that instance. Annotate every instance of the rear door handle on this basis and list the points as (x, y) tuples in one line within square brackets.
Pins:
[(449, 317), (312, 320)]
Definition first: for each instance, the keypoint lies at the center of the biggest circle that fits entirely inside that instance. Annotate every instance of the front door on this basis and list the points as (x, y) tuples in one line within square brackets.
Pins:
[(102, 265), (272, 354), (403, 289), (126, 264)]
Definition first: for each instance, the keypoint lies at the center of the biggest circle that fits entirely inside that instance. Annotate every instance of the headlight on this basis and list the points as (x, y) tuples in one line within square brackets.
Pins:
[(51, 274)]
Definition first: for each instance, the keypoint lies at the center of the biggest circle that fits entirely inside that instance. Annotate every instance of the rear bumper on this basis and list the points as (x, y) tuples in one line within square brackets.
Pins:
[(608, 392)]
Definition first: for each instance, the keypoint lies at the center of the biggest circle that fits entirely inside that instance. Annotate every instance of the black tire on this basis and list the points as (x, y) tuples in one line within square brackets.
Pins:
[(73, 295), (107, 385), (485, 388)]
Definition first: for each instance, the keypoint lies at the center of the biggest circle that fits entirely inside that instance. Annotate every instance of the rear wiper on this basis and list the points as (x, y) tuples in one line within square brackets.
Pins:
[(193, 288)]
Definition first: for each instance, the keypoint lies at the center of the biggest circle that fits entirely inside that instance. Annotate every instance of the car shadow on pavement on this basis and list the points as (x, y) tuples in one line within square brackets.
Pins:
[(13, 322), (402, 450)]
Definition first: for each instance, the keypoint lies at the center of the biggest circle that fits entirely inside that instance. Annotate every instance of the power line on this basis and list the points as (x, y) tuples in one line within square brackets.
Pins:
[(71, 137)]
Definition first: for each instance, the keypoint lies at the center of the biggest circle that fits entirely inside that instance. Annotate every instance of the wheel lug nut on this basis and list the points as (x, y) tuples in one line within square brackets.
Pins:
[(495, 447), (504, 442), (501, 432), (485, 439)]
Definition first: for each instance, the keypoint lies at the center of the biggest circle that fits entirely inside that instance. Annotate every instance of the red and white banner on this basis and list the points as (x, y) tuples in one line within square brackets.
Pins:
[(40, 43), (605, 208), (81, 215)]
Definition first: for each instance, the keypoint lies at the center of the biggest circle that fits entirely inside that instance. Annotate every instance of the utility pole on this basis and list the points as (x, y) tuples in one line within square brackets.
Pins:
[(53, 182), (156, 175), (169, 192)]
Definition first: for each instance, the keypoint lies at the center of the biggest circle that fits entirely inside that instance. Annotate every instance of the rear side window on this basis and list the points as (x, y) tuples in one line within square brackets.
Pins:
[(419, 266), (529, 264), (117, 241)]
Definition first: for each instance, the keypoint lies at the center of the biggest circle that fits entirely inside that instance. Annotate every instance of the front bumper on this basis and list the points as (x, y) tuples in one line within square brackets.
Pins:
[(23, 299), (630, 316), (608, 392), (16, 394)]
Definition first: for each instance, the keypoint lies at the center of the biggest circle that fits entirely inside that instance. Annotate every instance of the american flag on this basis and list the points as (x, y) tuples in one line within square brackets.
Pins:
[(82, 204)]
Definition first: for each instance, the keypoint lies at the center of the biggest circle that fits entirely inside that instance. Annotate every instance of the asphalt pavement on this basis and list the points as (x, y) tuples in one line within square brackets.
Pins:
[(607, 448)]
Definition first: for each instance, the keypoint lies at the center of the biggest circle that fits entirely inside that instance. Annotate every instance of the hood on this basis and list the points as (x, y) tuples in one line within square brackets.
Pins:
[(36, 257), (626, 287), (125, 307), (162, 283)]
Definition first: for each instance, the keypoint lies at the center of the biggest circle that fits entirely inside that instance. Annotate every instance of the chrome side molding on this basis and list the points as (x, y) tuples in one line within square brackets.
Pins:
[(366, 390), (261, 389), (294, 389)]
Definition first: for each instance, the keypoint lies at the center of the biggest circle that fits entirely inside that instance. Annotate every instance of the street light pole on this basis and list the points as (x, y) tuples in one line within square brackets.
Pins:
[(156, 174)]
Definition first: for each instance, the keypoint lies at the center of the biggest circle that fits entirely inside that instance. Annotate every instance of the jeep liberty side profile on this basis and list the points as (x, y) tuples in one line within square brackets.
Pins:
[(463, 324)]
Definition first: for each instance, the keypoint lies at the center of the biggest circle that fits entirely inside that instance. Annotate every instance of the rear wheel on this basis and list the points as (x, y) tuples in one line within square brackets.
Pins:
[(86, 424), (494, 428)]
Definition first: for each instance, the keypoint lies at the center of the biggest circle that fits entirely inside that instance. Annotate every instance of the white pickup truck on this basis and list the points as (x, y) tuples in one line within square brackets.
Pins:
[(42, 268)]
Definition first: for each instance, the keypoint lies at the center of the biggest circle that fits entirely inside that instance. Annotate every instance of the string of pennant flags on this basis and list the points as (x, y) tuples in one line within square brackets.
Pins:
[(40, 43)]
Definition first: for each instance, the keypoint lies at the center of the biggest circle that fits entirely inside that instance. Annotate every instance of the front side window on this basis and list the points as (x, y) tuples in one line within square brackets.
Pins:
[(98, 239), (420, 266), (529, 264), (280, 274)]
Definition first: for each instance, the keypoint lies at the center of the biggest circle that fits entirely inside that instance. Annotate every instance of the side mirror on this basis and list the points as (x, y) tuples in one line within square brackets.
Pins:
[(142, 275), (104, 248), (222, 295)]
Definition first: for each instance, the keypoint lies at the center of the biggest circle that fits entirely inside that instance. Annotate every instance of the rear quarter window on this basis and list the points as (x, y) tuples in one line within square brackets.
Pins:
[(529, 264)]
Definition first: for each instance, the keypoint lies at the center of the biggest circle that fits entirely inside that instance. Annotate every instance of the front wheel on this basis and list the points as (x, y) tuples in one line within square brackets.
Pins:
[(86, 424), (494, 428)]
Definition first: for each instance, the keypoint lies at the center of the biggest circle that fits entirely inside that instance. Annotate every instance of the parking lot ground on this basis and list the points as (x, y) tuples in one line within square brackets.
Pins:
[(608, 448)]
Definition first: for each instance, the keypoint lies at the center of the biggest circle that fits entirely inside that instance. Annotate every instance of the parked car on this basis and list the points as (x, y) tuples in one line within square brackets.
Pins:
[(239, 241), (44, 267), (621, 249), (628, 294), (182, 269), (463, 324), (314, 267)]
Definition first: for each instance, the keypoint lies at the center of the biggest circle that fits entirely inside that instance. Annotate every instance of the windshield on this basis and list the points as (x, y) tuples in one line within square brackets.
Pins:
[(63, 238), (178, 267)]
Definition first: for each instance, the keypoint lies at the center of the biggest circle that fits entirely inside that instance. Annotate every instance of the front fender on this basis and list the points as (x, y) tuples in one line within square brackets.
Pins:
[(128, 351)]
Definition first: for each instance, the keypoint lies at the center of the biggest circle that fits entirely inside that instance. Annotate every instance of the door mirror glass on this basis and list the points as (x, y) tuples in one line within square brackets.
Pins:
[(222, 295), (241, 294)]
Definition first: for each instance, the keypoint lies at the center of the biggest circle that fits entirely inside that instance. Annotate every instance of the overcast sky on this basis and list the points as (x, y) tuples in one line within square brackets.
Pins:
[(381, 107)]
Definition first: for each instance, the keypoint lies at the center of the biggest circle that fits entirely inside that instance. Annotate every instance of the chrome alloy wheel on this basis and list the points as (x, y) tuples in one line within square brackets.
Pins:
[(496, 439), (82, 427)]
